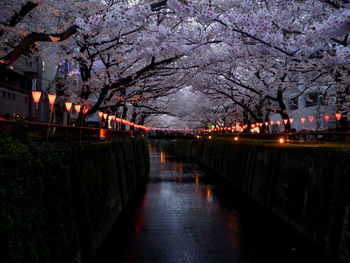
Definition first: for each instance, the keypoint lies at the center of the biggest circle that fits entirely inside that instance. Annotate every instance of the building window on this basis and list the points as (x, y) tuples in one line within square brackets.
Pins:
[(293, 104), (311, 99), (14, 96), (43, 66)]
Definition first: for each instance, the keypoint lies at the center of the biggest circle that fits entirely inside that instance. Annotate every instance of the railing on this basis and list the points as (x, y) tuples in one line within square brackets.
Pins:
[(58, 133), (298, 137), (301, 137)]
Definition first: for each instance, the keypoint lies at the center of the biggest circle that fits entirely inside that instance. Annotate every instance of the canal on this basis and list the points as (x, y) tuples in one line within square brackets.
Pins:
[(184, 215)]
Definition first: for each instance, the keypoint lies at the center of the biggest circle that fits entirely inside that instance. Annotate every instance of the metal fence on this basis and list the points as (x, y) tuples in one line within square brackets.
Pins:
[(58, 133)]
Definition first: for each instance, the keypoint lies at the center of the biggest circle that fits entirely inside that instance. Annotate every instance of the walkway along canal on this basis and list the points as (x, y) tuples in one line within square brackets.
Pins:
[(183, 215)]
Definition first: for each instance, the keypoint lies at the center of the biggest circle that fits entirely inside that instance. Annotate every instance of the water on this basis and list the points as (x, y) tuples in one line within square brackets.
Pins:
[(182, 216)]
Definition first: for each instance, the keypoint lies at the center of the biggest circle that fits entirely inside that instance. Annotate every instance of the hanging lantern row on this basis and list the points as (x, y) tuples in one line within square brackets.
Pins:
[(291, 120), (52, 98), (110, 118), (240, 127), (37, 95), (174, 129)]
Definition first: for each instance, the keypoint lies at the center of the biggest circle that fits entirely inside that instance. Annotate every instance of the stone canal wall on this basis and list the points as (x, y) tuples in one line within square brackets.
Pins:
[(306, 186), (58, 201)]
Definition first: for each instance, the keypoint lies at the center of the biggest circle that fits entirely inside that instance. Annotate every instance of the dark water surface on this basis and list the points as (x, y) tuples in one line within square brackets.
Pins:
[(182, 216)]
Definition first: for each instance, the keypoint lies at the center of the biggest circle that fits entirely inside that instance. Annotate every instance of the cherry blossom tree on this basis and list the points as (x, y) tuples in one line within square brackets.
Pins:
[(251, 55)]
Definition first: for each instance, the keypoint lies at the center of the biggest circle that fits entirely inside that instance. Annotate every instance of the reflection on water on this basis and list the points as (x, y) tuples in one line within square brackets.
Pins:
[(162, 157), (209, 194), (178, 167), (151, 149), (180, 218)]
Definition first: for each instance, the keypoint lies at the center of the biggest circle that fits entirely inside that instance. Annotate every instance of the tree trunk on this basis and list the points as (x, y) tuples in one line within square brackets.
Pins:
[(125, 112), (283, 110)]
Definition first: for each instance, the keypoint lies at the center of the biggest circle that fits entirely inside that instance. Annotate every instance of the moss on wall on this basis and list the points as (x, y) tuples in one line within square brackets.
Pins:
[(58, 202), (306, 186)]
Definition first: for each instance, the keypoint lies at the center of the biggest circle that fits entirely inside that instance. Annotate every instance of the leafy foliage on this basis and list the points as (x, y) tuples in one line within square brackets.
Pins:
[(37, 221)]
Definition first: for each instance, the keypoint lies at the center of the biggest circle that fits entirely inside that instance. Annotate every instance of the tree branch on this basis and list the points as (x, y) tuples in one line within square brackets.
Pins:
[(17, 17), (27, 42)]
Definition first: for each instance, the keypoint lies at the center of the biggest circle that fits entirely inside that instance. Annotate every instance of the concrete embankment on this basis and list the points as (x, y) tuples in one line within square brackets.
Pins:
[(59, 201), (307, 186)]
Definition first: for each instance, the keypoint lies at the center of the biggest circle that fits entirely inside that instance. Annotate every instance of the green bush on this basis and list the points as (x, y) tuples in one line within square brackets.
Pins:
[(36, 217)]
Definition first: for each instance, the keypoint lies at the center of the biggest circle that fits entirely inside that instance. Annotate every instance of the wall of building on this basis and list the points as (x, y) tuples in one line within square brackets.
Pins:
[(16, 87), (306, 186), (59, 201)]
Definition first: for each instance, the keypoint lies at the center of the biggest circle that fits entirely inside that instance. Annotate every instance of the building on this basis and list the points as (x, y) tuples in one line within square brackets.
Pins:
[(16, 84), (310, 106)]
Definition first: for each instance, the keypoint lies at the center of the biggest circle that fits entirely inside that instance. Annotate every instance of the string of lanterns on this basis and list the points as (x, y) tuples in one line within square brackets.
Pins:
[(238, 127), (110, 118), (52, 97)]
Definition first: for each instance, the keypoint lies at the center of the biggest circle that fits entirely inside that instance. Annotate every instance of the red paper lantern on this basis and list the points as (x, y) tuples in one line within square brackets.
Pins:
[(68, 106), (85, 110), (311, 118), (291, 120), (77, 108), (285, 121), (302, 120), (326, 117), (272, 122), (105, 116), (36, 97), (100, 114), (278, 123), (52, 98), (338, 116), (266, 123)]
